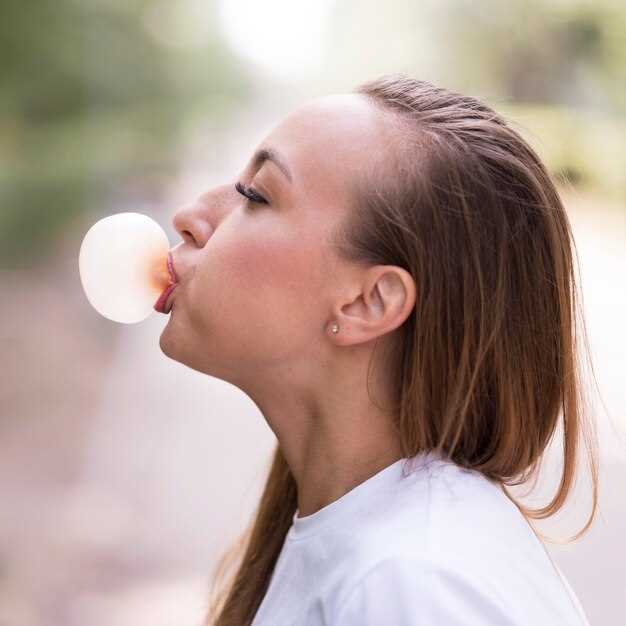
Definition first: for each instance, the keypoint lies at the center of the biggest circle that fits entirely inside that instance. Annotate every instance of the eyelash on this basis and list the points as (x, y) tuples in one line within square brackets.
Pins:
[(251, 194)]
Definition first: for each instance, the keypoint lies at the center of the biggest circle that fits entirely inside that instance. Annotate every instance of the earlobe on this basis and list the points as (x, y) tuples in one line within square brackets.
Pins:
[(384, 295)]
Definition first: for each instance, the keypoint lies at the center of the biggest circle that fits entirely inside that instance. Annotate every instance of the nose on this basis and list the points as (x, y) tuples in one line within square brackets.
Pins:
[(192, 224), (197, 221)]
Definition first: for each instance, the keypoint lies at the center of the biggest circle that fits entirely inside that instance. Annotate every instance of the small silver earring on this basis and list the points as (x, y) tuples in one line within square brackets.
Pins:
[(334, 328)]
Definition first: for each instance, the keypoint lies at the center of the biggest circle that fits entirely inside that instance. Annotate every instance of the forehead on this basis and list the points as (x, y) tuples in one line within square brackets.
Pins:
[(329, 140)]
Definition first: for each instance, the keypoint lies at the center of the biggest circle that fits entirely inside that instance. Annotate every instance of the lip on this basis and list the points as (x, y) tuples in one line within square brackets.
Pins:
[(163, 305), (171, 269)]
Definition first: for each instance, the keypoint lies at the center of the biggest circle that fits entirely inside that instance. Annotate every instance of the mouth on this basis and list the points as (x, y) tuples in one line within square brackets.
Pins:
[(164, 302), (170, 268)]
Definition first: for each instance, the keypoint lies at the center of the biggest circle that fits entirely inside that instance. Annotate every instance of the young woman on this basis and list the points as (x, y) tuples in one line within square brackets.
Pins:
[(391, 280)]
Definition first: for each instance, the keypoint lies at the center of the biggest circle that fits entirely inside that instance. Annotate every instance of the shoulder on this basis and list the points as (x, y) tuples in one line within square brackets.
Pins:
[(410, 591), (465, 556), (471, 516), (446, 550), (447, 513), (451, 516)]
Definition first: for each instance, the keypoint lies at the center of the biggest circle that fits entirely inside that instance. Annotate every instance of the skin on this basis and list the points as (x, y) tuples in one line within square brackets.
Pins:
[(260, 287)]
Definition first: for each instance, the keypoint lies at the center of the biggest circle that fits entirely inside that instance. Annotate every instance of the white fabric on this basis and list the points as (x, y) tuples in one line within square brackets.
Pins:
[(437, 546)]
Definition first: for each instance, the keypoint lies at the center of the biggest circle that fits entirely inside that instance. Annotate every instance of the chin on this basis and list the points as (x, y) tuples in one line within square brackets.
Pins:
[(166, 343)]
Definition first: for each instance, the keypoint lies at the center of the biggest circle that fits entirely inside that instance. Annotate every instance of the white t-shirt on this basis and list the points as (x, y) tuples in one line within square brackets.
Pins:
[(437, 546)]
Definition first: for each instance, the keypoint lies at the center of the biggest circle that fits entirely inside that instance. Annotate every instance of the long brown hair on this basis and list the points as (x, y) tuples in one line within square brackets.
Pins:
[(488, 358)]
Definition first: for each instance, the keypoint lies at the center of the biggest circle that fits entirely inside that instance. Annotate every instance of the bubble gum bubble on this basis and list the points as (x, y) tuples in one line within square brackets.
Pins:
[(123, 266)]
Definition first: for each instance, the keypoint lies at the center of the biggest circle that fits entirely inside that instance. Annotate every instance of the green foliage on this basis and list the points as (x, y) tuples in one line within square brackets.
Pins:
[(91, 101), (569, 53), (584, 148)]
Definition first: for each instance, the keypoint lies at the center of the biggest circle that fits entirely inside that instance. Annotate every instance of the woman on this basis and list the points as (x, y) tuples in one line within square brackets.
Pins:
[(390, 279)]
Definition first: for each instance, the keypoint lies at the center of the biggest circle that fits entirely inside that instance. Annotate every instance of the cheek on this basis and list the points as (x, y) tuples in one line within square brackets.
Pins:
[(263, 290)]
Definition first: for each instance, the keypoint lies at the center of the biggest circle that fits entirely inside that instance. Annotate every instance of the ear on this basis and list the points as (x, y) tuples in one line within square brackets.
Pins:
[(385, 300)]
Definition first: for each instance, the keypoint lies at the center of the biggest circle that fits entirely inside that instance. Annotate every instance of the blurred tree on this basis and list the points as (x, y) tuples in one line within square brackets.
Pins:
[(564, 53), (91, 99), (555, 66)]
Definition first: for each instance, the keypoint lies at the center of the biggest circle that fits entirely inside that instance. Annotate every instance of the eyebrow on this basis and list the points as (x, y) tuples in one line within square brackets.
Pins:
[(270, 154)]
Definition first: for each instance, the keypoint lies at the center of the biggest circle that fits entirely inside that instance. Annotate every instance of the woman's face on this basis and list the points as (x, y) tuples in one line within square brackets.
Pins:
[(259, 283)]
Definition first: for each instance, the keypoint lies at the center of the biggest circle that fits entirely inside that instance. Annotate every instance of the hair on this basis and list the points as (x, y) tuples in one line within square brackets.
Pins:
[(487, 359)]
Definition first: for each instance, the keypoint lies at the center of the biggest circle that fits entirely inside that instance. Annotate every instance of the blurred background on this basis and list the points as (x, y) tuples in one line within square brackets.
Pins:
[(125, 475)]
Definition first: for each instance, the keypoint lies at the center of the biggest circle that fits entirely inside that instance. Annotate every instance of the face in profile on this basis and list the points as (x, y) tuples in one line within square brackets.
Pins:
[(259, 278)]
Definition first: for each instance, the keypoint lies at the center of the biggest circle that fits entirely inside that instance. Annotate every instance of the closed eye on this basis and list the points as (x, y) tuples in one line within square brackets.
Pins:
[(250, 193)]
